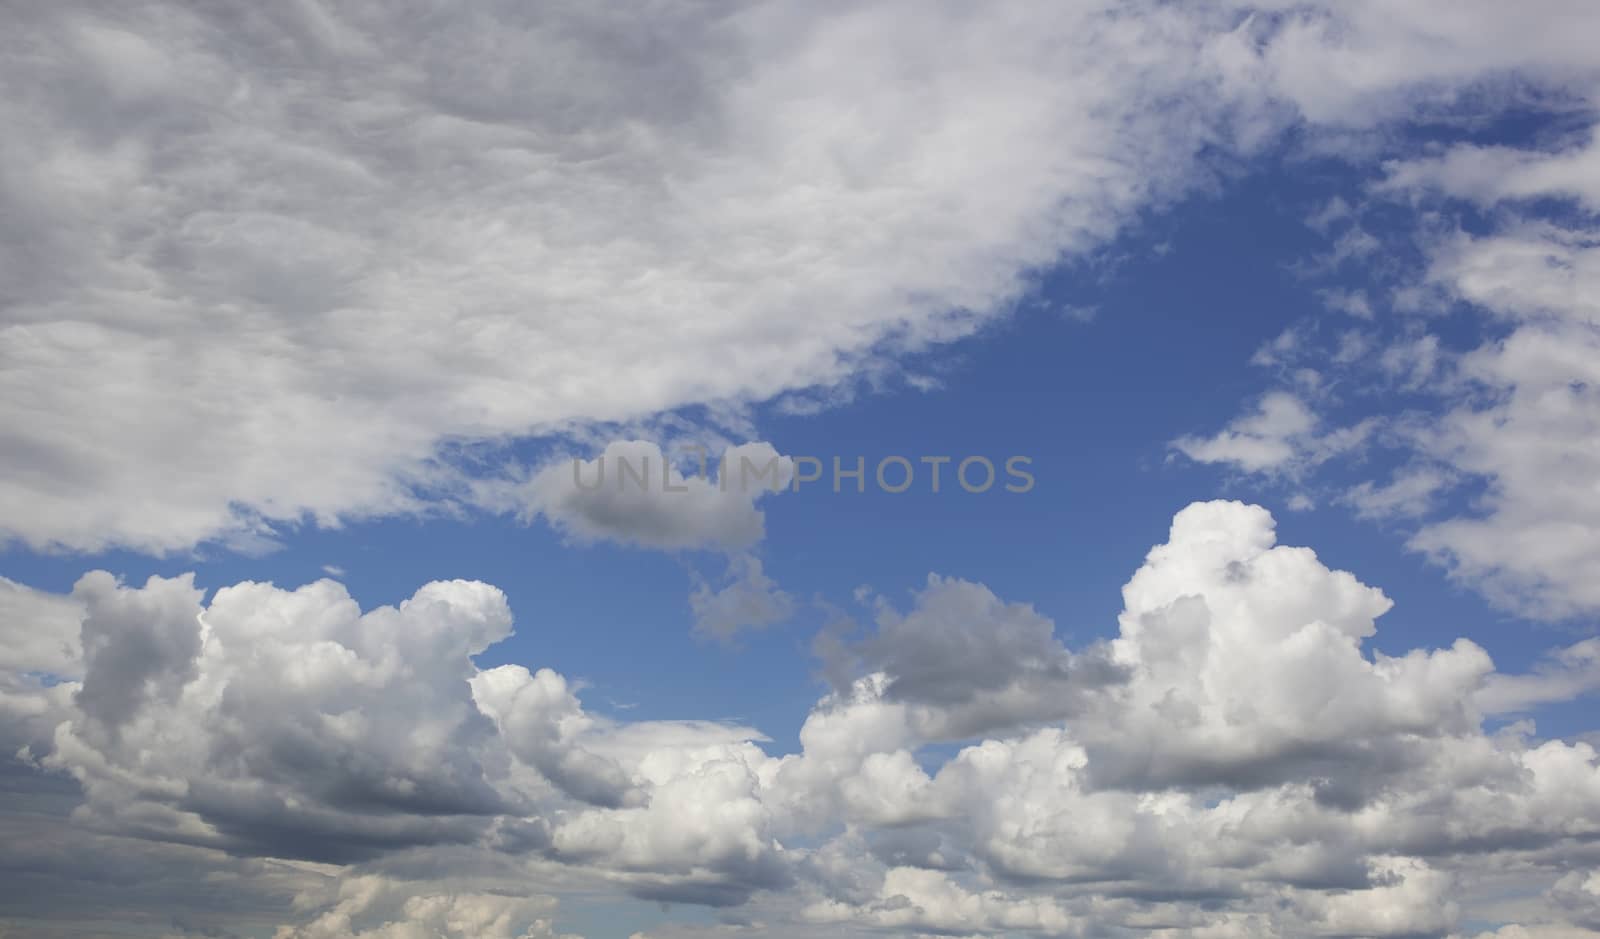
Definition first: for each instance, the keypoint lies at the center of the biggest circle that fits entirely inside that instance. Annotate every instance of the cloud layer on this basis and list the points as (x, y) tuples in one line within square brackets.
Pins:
[(1234, 762), (266, 266), (271, 265)]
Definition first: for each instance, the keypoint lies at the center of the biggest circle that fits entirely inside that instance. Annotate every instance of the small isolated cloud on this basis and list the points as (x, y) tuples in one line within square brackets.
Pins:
[(1266, 440), (1281, 436), (747, 599), (634, 493)]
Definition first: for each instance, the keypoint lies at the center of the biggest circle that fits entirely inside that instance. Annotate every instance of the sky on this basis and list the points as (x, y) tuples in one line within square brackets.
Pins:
[(330, 334)]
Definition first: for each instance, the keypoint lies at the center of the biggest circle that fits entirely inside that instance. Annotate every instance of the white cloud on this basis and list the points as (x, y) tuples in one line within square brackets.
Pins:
[(503, 223), (472, 228), (1281, 436), (1236, 761), (1569, 673), (375, 907), (1265, 440), (1533, 432), (541, 721), (1513, 420), (39, 632), (1349, 302), (280, 722), (930, 902), (1408, 899), (1487, 175), (1531, 271), (1236, 677), (411, 234), (1409, 494), (1413, 362), (1280, 349), (1365, 61)]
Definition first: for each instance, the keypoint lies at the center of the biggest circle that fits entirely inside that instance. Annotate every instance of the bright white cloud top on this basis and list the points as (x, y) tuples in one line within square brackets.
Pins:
[(1235, 762)]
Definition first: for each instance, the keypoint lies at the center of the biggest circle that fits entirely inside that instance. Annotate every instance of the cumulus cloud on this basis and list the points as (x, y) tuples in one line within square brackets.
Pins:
[(39, 632), (1237, 679), (1253, 751), (280, 722), (1236, 760), (416, 234), (375, 907), (542, 722), (965, 662), (930, 902), (40, 652), (1578, 896)]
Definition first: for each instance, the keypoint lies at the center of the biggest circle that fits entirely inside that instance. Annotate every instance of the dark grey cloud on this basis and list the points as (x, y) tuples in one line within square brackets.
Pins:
[(975, 663)]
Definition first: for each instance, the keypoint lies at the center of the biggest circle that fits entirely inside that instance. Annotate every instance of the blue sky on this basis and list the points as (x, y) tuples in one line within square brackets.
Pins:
[(1238, 280)]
